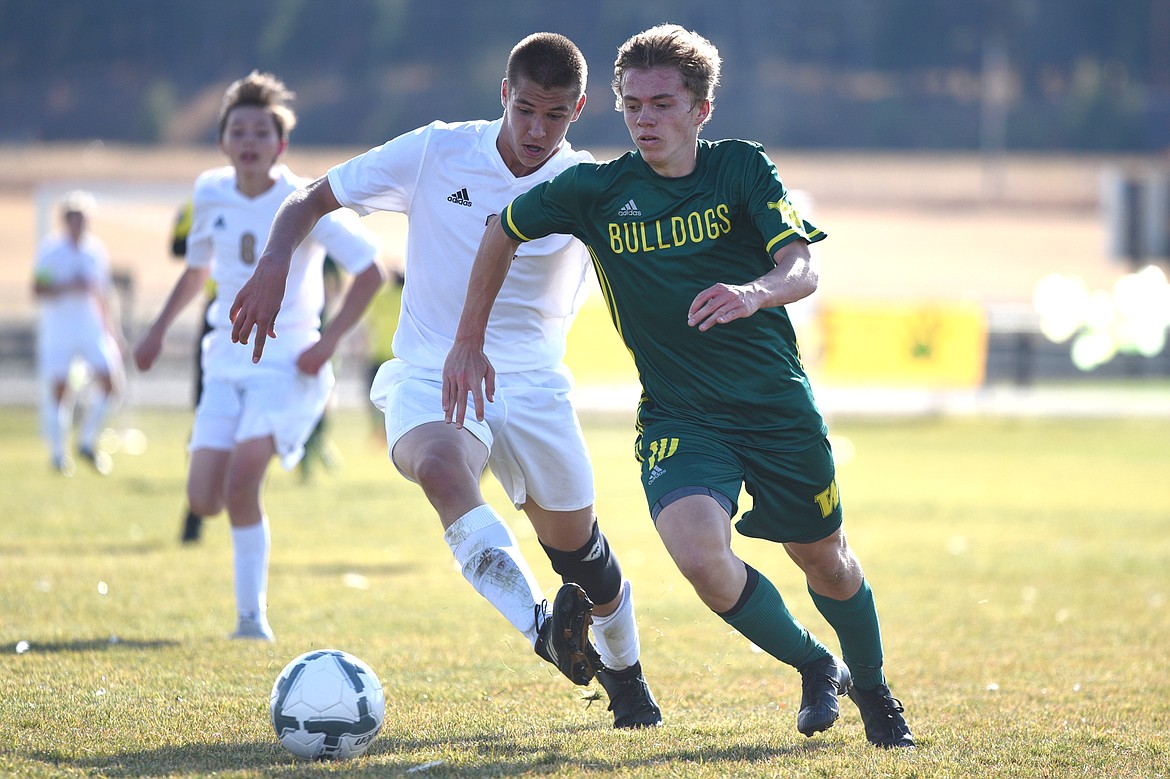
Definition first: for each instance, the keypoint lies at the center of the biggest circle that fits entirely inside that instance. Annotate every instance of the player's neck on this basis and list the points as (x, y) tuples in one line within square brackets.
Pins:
[(253, 185)]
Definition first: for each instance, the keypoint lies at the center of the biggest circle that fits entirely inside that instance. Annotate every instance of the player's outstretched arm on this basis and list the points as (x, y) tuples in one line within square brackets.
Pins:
[(258, 301), (793, 278), (186, 289), (467, 368), (357, 299)]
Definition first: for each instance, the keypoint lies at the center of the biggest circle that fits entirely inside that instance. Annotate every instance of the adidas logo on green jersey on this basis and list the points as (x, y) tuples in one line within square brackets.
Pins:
[(629, 209)]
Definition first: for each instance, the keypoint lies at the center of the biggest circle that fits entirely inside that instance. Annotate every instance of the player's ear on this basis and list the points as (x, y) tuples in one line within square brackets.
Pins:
[(504, 93), (282, 148), (704, 112), (578, 109)]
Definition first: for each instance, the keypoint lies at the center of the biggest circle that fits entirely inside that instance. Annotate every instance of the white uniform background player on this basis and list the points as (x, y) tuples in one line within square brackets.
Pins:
[(248, 413), (242, 400), (72, 285)]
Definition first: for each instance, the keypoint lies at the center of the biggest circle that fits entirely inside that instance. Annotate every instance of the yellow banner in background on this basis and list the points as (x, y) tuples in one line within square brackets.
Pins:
[(902, 344)]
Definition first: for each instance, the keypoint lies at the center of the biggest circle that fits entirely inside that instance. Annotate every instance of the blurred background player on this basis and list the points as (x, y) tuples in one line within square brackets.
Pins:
[(380, 323), (192, 523), (318, 446), (249, 413), (72, 285)]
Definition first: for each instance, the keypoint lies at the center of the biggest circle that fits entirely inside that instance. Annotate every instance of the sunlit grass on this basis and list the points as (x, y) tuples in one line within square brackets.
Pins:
[(1019, 566)]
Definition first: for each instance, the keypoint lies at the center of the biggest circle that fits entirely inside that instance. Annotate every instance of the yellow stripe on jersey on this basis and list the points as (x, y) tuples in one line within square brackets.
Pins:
[(808, 237), (607, 294), (512, 225)]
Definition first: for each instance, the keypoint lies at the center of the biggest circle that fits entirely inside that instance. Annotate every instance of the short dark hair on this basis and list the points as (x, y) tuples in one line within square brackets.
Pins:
[(263, 90), (548, 60), (671, 46)]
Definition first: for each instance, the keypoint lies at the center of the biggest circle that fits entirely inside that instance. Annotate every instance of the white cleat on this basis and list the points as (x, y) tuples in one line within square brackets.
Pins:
[(253, 629)]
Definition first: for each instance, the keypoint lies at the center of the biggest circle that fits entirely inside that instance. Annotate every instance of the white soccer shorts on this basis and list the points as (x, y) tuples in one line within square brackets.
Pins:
[(535, 445), (285, 405), (56, 348)]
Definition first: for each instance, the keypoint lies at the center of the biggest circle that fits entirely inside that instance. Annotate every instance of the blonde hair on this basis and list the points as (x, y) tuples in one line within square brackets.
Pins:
[(263, 90), (671, 46), (77, 201)]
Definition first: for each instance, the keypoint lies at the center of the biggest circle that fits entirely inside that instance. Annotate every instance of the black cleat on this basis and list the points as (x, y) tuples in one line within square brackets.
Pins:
[(192, 528), (822, 681), (630, 699), (563, 637), (882, 714)]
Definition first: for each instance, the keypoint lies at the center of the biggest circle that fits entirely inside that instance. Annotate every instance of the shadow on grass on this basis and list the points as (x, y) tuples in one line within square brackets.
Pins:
[(151, 487), (492, 756), (496, 755), (86, 549), (89, 645), (189, 760), (341, 569)]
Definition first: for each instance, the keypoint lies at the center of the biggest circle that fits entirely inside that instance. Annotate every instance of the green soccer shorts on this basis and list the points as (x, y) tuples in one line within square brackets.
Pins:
[(794, 494)]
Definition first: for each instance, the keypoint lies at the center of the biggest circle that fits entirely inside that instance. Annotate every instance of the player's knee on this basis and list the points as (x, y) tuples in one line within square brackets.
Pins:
[(831, 563), (593, 567), (708, 573), (204, 505), (438, 471)]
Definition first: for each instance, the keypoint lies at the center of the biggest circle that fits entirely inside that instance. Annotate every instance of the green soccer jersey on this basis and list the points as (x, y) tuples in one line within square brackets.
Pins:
[(656, 243)]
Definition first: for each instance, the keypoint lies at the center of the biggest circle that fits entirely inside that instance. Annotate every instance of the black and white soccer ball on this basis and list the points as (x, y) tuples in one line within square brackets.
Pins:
[(327, 705)]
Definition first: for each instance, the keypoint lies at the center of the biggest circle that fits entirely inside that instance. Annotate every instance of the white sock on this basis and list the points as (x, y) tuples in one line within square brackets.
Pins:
[(616, 635), (489, 556), (57, 418), (250, 545), (91, 422)]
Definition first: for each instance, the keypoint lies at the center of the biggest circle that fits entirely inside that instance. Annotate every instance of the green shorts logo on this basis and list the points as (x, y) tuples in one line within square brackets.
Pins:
[(829, 499), (660, 450)]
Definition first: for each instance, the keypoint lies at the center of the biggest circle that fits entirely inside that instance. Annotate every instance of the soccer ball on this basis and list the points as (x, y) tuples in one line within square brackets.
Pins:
[(327, 705)]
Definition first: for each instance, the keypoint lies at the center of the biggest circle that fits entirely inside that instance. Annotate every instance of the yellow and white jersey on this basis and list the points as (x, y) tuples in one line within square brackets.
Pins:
[(448, 179), (228, 233)]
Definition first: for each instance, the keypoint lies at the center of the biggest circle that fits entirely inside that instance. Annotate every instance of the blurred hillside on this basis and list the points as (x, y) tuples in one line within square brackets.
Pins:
[(1040, 75)]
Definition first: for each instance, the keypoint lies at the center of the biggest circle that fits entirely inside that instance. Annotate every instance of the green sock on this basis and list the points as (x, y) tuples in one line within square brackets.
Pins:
[(761, 616), (856, 623)]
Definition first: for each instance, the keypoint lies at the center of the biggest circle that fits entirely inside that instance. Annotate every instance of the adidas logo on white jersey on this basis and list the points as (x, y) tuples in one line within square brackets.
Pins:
[(460, 198), (629, 209)]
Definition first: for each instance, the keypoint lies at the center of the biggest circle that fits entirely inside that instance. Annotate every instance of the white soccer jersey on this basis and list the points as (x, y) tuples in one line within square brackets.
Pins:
[(228, 233), (71, 314), (448, 179)]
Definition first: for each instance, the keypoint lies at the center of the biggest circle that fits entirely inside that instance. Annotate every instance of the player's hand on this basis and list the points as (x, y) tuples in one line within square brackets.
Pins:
[(466, 370), (256, 306), (147, 350), (312, 360), (720, 304)]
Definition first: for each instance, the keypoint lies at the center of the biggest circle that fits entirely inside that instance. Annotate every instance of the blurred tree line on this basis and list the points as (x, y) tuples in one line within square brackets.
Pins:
[(1080, 75)]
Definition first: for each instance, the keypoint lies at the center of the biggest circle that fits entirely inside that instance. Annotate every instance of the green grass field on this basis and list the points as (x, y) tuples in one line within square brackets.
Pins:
[(1020, 569)]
